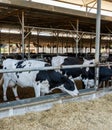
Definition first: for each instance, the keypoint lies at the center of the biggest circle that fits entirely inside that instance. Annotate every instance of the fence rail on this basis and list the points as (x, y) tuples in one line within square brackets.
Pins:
[(52, 68), (44, 68), (42, 103)]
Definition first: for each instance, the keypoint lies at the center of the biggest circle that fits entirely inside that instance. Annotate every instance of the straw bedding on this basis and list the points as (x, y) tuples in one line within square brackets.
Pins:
[(89, 115)]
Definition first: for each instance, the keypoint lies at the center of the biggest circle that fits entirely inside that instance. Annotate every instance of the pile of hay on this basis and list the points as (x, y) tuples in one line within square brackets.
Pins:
[(89, 115)]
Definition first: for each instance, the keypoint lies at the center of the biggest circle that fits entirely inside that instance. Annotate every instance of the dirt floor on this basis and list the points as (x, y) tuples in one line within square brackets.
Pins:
[(89, 115)]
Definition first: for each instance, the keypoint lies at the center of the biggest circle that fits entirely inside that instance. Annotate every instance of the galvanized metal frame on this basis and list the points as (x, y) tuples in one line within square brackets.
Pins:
[(45, 103), (98, 19), (42, 103)]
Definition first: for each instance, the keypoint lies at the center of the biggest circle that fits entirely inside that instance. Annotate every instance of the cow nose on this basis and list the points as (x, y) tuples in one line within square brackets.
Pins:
[(76, 93), (76, 90)]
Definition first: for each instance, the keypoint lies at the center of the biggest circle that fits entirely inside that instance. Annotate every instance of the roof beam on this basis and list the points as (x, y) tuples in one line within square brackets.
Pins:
[(51, 8)]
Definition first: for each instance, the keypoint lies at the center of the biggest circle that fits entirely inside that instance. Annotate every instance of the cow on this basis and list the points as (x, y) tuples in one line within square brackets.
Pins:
[(65, 60), (105, 74), (43, 81), (86, 74), (74, 73)]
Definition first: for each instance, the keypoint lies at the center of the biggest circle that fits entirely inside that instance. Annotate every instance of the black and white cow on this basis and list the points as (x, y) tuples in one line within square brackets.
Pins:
[(105, 74), (64, 60), (86, 74), (74, 73), (43, 81)]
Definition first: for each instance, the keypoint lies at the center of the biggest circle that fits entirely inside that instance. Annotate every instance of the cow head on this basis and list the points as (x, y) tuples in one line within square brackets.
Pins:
[(88, 62), (69, 87), (88, 83), (88, 73), (44, 87)]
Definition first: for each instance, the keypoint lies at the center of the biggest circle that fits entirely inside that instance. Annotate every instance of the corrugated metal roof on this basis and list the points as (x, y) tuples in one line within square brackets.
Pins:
[(105, 4), (48, 16)]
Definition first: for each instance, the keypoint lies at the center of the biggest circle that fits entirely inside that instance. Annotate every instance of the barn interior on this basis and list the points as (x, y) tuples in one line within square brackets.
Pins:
[(35, 27), (29, 27)]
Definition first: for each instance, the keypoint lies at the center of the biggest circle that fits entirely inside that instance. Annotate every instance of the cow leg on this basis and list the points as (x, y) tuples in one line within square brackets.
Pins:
[(100, 84), (4, 92), (15, 92), (85, 81), (44, 88), (107, 83), (76, 90), (37, 89), (5, 85), (104, 84), (110, 82)]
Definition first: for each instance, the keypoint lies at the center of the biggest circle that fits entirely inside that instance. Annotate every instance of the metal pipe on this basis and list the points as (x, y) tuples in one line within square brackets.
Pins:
[(0, 44), (97, 44), (9, 44), (29, 45), (55, 29), (77, 39), (65, 30), (28, 33), (44, 68), (23, 46)]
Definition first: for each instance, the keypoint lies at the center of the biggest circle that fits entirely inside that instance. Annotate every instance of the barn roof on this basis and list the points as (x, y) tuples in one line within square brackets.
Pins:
[(50, 16), (105, 4)]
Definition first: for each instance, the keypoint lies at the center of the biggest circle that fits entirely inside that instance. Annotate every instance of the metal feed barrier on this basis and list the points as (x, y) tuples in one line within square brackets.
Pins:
[(45, 68), (41, 103)]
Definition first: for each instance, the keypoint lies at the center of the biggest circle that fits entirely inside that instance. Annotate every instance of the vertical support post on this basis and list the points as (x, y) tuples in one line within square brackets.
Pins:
[(9, 45), (57, 42), (91, 44), (67, 44), (50, 46), (73, 48), (0, 43), (109, 43), (77, 39), (0, 47), (97, 42), (38, 40), (53, 45), (29, 45), (23, 45), (62, 44)]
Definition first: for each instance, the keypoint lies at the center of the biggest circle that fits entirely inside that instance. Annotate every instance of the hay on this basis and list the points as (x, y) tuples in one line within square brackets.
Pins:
[(90, 115)]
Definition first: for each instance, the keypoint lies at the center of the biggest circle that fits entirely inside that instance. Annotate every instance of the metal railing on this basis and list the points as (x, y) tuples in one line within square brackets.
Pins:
[(45, 68)]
